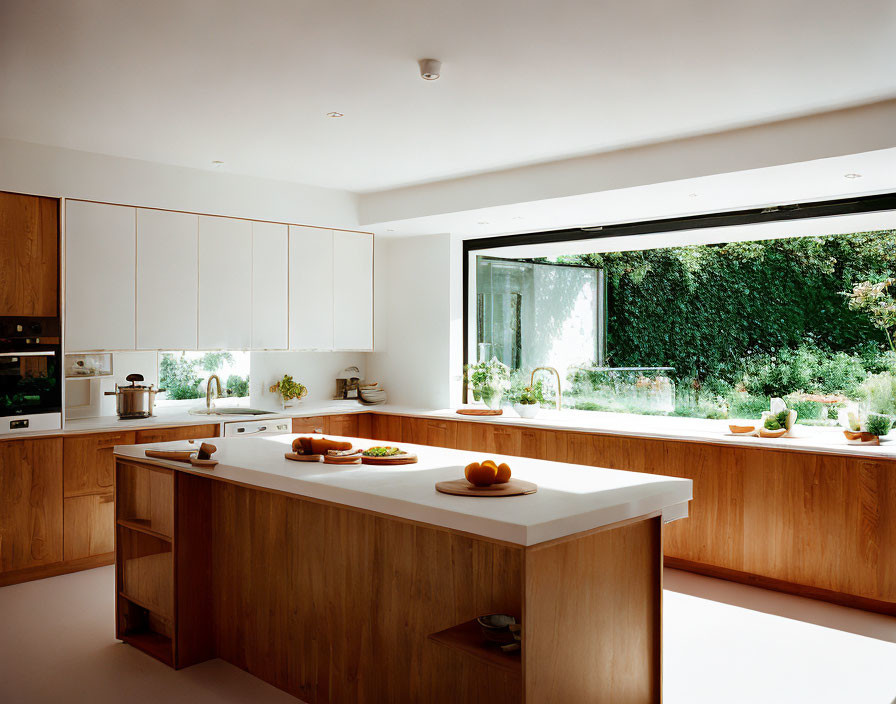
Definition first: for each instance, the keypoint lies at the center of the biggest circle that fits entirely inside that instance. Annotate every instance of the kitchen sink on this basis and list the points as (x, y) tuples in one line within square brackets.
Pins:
[(232, 411)]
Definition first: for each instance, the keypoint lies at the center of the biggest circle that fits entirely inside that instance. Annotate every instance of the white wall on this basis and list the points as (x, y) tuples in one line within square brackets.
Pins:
[(316, 370), (413, 326), (51, 171)]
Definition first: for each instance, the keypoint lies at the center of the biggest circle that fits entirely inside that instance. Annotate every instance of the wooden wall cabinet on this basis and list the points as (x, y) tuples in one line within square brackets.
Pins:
[(29, 265), (30, 503), (100, 276)]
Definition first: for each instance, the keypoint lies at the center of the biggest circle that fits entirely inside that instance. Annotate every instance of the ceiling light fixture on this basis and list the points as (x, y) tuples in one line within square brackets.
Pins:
[(482, 222), (692, 195), (335, 114), (217, 163), (430, 69), (852, 175)]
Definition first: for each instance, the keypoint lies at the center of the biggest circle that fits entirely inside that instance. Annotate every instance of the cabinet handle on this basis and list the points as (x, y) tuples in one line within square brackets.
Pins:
[(107, 499)]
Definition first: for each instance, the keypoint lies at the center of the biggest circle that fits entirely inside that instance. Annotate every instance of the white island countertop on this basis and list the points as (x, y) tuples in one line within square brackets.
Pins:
[(570, 498)]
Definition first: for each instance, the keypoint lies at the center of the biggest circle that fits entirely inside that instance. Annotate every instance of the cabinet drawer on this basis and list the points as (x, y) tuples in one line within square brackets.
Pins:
[(312, 424), (346, 425), (89, 526), (187, 432), (88, 464)]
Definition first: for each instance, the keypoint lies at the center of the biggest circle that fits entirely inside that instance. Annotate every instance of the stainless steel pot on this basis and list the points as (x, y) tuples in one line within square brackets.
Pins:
[(136, 400)]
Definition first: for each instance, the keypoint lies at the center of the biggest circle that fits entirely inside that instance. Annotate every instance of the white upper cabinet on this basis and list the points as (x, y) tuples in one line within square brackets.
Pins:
[(310, 288), (167, 280), (353, 292), (225, 283), (100, 246), (270, 286)]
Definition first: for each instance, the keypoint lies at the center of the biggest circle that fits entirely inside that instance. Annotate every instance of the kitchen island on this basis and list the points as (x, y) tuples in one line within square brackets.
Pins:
[(360, 583)]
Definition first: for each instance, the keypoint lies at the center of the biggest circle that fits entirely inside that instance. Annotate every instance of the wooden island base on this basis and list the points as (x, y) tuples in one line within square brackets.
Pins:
[(334, 604)]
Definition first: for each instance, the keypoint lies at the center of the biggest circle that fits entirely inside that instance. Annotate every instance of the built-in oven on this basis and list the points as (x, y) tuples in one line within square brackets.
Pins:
[(30, 374)]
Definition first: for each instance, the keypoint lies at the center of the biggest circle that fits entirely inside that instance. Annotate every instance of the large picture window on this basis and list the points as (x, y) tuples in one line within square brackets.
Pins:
[(706, 322)]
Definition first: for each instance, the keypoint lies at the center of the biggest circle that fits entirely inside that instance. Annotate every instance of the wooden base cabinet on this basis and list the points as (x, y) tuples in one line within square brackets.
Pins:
[(57, 510), (30, 504), (813, 524), (335, 604)]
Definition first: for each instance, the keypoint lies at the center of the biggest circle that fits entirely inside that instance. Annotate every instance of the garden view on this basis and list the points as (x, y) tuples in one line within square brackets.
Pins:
[(808, 319)]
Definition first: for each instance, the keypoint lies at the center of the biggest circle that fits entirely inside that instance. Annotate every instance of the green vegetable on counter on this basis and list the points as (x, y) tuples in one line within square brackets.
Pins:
[(382, 452)]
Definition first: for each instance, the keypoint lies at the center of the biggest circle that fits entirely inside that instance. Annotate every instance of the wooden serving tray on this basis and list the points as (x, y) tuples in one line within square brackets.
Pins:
[(336, 459), (480, 411), (461, 487), (296, 457), (406, 458)]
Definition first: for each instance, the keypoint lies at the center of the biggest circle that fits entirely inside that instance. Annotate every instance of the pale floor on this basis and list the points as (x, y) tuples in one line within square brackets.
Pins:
[(724, 643)]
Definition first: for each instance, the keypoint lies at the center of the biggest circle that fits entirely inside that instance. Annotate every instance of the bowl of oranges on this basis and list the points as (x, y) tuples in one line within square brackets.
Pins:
[(487, 473)]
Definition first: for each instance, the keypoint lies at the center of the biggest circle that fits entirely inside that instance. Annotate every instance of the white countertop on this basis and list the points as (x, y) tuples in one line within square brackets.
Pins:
[(570, 498), (807, 438)]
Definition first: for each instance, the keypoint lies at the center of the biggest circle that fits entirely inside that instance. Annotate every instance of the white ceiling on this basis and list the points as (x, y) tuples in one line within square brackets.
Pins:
[(803, 182), (249, 83)]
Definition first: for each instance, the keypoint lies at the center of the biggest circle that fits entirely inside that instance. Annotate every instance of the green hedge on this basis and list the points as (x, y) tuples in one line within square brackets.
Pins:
[(708, 309)]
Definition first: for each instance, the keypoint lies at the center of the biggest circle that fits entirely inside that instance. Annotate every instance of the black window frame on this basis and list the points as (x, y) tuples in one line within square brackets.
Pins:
[(779, 213)]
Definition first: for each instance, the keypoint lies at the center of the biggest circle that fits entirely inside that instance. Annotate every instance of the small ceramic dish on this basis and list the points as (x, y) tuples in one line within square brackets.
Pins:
[(496, 627), (857, 437), (766, 433), (742, 428)]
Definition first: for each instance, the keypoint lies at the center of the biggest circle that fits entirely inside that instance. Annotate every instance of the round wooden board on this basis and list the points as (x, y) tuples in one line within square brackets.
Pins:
[(406, 458), (480, 411), (296, 457), (342, 460), (196, 462), (461, 487)]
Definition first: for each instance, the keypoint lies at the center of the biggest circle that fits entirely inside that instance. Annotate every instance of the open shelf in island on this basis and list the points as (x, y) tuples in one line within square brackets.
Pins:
[(467, 637)]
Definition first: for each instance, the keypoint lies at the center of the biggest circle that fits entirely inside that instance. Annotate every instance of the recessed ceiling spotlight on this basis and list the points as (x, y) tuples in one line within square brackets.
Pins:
[(692, 195), (517, 217), (217, 163), (430, 69), (389, 230), (335, 114), (482, 222), (852, 175)]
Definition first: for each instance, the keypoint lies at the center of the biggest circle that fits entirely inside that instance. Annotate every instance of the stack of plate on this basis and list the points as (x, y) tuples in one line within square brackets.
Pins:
[(371, 396)]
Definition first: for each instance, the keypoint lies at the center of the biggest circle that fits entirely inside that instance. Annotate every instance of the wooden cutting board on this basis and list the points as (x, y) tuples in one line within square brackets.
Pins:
[(406, 458), (296, 457), (349, 460), (461, 487), (174, 455), (480, 411)]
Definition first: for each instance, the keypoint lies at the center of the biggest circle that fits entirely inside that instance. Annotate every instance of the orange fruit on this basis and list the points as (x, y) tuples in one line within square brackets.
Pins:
[(480, 474), (503, 473), (490, 463)]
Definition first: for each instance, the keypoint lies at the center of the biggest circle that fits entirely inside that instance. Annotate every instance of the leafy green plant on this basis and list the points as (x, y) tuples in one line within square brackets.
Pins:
[(238, 385), (493, 375), (777, 421), (878, 424), (878, 302), (288, 388), (177, 375), (879, 390)]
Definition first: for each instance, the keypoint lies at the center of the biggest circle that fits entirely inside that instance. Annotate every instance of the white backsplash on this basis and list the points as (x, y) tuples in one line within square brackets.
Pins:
[(316, 370), (84, 398)]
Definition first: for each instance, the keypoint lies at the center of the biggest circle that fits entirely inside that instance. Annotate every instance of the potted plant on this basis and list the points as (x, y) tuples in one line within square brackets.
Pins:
[(778, 421), (868, 430), (291, 392), (526, 404), (488, 381)]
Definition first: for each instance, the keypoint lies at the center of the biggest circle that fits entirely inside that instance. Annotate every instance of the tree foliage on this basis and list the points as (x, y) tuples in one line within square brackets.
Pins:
[(708, 309)]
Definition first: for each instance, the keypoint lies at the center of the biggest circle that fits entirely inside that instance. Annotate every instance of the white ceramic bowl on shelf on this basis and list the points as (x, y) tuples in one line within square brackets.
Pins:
[(526, 410)]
